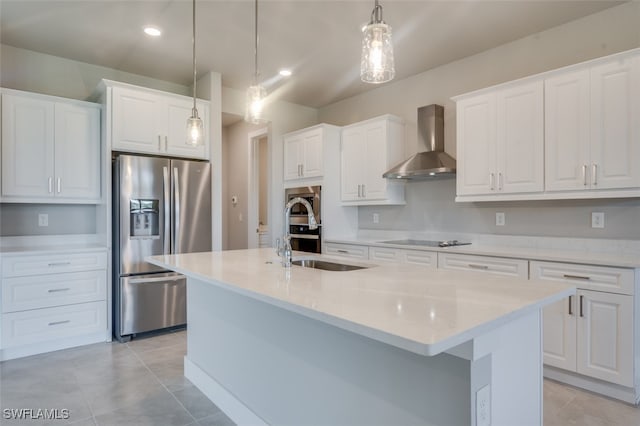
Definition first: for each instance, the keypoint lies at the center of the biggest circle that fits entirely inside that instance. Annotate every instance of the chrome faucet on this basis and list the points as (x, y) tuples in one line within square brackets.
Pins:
[(285, 251)]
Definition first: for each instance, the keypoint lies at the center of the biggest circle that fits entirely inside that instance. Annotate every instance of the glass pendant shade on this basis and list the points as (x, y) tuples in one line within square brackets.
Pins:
[(195, 130), (256, 96), (195, 127), (377, 65)]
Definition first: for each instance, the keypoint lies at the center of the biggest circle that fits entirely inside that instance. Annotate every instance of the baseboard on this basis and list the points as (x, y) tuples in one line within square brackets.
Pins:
[(50, 346), (227, 402), (611, 390)]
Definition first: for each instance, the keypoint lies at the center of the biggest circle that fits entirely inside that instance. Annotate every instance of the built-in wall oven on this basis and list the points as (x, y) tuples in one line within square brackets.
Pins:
[(302, 238)]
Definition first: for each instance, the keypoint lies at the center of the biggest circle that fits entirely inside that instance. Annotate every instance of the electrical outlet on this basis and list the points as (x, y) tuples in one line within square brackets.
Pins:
[(500, 219), (376, 218), (43, 219), (483, 406), (597, 219)]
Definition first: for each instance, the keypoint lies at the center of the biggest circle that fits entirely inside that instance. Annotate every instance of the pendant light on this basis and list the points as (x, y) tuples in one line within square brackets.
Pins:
[(256, 93), (376, 64), (195, 128)]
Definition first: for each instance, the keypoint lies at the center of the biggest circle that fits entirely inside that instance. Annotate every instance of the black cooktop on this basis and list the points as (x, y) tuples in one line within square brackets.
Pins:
[(426, 243)]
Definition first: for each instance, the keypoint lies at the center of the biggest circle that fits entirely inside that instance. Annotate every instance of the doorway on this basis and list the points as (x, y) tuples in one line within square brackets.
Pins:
[(258, 229)]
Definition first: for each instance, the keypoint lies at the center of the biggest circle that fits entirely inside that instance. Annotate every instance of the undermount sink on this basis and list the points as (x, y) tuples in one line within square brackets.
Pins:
[(325, 265)]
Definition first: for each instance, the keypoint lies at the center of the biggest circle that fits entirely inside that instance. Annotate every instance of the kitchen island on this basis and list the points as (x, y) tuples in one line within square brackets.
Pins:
[(387, 344)]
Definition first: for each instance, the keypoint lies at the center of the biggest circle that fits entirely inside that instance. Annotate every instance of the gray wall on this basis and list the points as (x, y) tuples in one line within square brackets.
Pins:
[(430, 205), (431, 208), (22, 219), (235, 152)]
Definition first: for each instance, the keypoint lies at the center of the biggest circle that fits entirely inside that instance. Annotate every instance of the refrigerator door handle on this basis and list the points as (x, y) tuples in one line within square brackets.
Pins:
[(167, 203), (176, 209)]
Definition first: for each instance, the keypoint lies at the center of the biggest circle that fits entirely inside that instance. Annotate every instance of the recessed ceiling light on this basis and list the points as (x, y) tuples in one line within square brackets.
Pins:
[(152, 31), (285, 72)]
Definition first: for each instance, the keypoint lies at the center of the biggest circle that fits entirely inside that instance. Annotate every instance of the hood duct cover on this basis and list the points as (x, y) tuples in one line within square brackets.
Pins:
[(432, 163)]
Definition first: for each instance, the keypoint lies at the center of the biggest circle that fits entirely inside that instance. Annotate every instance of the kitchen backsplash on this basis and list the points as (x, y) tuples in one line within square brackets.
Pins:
[(431, 208), (22, 219)]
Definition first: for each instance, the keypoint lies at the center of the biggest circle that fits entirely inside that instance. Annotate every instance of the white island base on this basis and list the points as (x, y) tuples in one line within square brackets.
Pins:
[(262, 364)]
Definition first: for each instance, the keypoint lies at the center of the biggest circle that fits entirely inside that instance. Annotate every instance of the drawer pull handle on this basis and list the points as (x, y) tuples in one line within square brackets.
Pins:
[(570, 305), (59, 322), (576, 277), (475, 266), (57, 290), (342, 251), (59, 263), (581, 312)]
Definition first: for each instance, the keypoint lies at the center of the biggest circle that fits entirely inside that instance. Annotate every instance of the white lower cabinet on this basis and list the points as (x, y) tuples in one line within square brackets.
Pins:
[(487, 264), (417, 257), (591, 333), (51, 301), (353, 251)]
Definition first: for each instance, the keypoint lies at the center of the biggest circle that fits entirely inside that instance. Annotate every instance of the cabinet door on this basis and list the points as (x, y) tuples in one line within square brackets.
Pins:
[(374, 186), (476, 136), (27, 146), (352, 159), (567, 131), (174, 141), (293, 152), (312, 154), (559, 334), (605, 336), (520, 139), (77, 152), (135, 125), (615, 127)]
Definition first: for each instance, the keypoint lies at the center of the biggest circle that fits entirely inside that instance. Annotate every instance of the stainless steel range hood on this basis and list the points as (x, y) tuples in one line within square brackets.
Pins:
[(433, 163)]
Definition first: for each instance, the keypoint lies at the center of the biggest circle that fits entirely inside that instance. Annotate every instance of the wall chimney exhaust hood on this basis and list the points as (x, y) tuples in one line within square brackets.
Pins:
[(433, 163)]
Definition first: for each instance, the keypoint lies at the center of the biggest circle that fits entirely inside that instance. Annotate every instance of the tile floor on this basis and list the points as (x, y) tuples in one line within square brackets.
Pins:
[(142, 383)]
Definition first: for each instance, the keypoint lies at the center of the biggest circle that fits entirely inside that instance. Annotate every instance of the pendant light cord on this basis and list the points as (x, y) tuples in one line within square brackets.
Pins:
[(255, 32), (194, 58), (376, 14)]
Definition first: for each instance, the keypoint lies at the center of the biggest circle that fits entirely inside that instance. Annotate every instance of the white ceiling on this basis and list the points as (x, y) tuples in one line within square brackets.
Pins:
[(318, 40)]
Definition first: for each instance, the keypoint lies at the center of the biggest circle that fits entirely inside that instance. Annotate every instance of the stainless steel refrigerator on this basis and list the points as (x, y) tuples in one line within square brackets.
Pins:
[(161, 206)]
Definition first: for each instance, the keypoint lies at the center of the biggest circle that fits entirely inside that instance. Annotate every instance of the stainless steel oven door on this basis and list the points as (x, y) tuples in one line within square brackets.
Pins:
[(298, 211), (150, 302), (305, 242)]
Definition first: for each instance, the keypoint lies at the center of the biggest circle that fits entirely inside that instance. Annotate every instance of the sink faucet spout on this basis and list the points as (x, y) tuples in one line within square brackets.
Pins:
[(313, 224)]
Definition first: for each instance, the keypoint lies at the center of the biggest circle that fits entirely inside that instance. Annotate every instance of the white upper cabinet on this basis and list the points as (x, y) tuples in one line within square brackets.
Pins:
[(303, 152), (500, 141), (368, 149), (592, 138), (615, 124), (567, 133), (476, 160), (50, 149), (152, 122)]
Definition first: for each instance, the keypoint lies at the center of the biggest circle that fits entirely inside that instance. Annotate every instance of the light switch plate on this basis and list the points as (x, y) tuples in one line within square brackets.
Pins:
[(597, 219), (43, 219), (500, 219), (483, 406)]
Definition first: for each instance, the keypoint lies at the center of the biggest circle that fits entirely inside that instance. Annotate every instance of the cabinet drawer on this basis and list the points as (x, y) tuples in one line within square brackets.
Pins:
[(44, 291), (384, 254), (20, 266), (487, 264), (601, 278), (41, 325), (347, 250), (419, 257)]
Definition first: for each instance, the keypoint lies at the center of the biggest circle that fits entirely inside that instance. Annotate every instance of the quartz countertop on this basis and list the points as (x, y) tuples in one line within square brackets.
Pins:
[(582, 255), (422, 310), (48, 248)]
